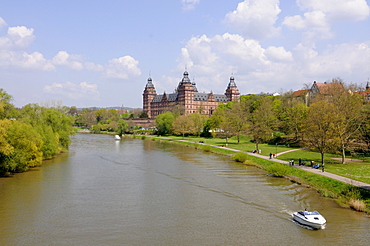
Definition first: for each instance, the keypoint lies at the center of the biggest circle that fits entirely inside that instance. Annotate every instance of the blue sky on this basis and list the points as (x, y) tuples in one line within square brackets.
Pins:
[(101, 53)]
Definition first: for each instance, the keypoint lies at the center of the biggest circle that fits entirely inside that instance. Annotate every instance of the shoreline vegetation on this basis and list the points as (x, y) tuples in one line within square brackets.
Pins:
[(346, 195)]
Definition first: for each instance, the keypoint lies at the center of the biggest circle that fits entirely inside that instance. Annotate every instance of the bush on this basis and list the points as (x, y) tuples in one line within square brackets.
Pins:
[(240, 157), (357, 205), (278, 170)]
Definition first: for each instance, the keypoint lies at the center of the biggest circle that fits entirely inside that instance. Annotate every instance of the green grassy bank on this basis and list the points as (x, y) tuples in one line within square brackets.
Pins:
[(346, 195)]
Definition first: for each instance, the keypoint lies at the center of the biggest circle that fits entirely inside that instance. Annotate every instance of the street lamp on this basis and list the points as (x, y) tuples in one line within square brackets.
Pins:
[(276, 148)]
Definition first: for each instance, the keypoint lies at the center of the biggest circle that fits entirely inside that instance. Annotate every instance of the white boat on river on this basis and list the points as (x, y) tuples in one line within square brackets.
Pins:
[(313, 219), (117, 137)]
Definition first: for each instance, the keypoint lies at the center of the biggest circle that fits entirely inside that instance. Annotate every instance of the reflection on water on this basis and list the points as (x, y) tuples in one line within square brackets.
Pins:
[(144, 192)]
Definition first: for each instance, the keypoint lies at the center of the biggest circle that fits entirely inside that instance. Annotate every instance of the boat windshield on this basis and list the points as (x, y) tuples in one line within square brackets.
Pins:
[(311, 213)]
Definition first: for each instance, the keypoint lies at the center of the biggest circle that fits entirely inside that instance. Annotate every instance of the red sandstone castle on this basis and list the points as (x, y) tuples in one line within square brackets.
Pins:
[(186, 98)]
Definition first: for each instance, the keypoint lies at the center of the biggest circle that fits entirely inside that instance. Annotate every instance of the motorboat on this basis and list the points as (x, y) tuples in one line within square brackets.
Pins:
[(312, 219), (117, 137)]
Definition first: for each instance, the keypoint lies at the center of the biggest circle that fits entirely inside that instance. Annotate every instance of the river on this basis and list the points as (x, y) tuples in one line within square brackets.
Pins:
[(144, 192)]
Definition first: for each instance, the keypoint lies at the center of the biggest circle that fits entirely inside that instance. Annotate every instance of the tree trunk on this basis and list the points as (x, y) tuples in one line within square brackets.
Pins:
[(322, 158), (343, 154)]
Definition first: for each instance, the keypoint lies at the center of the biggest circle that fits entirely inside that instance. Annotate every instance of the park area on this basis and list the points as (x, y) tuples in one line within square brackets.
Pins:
[(356, 167)]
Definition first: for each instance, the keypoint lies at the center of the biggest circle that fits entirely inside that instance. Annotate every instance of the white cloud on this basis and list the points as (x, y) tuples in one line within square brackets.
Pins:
[(211, 60), (345, 60), (122, 68), (25, 60), (19, 37), (255, 18), (338, 10), (12, 50), (2, 23), (278, 54), (320, 15), (70, 61), (71, 90), (189, 4), (93, 67)]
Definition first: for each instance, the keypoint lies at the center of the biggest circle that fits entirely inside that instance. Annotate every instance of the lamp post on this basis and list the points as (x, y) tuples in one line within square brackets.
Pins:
[(276, 148)]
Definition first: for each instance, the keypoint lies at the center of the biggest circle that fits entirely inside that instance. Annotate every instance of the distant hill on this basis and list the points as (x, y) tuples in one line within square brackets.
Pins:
[(116, 108)]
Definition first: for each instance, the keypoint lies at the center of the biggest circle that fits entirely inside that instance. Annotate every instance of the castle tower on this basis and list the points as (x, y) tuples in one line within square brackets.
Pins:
[(367, 88), (232, 92), (148, 96), (186, 93)]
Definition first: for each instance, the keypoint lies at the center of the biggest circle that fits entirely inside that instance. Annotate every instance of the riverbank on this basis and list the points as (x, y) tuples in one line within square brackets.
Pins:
[(348, 193)]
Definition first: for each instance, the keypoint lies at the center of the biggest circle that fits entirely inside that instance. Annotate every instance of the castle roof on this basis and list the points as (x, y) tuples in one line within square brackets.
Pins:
[(170, 97), (204, 97)]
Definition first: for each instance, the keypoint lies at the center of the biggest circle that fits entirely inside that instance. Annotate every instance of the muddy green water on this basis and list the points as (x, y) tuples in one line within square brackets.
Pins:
[(142, 192)]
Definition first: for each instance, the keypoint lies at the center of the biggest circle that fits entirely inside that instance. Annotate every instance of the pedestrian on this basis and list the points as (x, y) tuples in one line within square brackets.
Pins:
[(270, 155), (299, 161)]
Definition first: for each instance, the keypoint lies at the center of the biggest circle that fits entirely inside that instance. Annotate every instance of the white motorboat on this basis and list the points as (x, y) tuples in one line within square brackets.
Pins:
[(117, 137), (313, 219)]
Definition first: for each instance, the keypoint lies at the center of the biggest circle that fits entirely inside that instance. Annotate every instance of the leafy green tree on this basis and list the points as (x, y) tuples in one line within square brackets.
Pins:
[(198, 123), (348, 119), (143, 115), (27, 143), (263, 121), (183, 124), (320, 128), (121, 127), (236, 119), (365, 126), (50, 140), (293, 119), (7, 109), (213, 123), (6, 149), (164, 123)]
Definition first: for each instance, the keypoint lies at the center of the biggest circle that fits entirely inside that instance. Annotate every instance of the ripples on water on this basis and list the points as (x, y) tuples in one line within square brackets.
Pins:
[(136, 192)]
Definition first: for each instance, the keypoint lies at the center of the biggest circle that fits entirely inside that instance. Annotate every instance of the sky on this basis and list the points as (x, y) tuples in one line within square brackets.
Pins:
[(101, 53)]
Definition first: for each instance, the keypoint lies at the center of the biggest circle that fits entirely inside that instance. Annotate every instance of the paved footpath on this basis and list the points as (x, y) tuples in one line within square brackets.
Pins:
[(306, 168)]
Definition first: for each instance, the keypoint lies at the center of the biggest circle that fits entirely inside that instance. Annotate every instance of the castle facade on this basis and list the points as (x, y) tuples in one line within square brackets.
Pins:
[(186, 98)]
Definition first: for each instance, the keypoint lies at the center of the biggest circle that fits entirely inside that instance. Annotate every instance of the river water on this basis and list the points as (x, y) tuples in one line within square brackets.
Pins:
[(144, 192)]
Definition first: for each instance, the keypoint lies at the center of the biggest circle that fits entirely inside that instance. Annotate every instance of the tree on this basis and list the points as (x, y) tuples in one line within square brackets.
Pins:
[(182, 125), (236, 119), (198, 123), (293, 118), (121, 127), (27, 144), (348, 118), (263, 121), (6, 149), (320, 128), (143, 115), (365, 126), (7, 109), (213, 123), (164, 123)]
